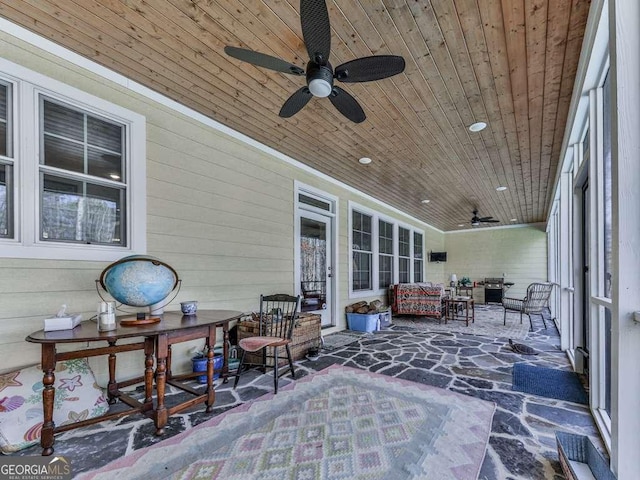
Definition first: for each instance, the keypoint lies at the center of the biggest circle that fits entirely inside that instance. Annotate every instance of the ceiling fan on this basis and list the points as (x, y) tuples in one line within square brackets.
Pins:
[(476, 220), (316, 31)]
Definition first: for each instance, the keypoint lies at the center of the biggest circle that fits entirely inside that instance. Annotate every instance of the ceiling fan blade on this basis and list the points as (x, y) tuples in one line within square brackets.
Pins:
[(485, 219), (263, 60), (295, 102), (490, 221), (316, 29), (347, 105), (367, 69)]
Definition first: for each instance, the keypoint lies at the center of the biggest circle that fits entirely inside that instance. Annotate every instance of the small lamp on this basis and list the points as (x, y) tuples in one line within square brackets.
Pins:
[(453, 280)]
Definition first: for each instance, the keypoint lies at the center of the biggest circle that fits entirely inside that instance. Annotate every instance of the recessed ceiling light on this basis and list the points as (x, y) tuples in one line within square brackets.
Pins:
[(514, 219), (425, 201), (461, 224), (501, 188), (114, 176), (365, 160), (477, 127)]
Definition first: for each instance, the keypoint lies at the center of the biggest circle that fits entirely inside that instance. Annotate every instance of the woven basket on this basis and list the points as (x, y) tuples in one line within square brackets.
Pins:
[(306, 334), (578, 448)]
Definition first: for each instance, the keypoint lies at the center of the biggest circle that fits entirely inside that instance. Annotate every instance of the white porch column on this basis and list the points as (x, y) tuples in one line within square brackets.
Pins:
[(565, 248), (624, 18)]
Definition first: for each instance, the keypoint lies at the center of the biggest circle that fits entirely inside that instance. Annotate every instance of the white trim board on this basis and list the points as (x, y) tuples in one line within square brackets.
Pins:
[(48, 46), (539, 225), (594, 46)]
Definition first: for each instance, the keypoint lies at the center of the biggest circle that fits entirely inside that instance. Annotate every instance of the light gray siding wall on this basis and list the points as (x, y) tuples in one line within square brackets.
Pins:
[(519, 253), (218, 210)]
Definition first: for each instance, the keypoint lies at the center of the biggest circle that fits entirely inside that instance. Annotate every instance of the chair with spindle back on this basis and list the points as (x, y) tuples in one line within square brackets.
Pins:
[(277, 317)]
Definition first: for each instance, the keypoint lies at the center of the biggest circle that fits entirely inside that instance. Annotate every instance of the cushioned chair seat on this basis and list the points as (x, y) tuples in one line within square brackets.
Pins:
[(253, 344)]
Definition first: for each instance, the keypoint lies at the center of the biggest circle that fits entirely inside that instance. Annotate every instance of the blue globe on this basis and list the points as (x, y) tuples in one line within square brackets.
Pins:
[(139, 280)]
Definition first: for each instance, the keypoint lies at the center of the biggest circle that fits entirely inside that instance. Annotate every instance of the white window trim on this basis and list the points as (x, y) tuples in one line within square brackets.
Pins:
[(26, 244), (375, 217), (374, 258), (411, 252), (334, 203)]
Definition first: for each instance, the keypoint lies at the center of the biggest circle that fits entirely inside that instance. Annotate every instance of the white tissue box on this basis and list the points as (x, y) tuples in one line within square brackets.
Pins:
[(62, 323)]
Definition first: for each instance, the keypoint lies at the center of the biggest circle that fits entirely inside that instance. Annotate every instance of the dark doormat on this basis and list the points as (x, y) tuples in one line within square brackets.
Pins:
[(548, 382)]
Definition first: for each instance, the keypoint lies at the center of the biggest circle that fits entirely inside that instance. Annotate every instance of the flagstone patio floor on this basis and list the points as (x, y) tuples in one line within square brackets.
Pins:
[(522, 444)]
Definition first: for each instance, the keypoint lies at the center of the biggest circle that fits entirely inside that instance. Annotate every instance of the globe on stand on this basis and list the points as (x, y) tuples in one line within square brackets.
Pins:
[(139, 281)]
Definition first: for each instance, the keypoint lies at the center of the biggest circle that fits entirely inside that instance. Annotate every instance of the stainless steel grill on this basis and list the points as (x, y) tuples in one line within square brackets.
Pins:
[(493, 290)]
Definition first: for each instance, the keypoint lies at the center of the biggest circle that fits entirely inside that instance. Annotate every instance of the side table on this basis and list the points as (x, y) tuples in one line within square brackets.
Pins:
[(464, 303), (464, 291)]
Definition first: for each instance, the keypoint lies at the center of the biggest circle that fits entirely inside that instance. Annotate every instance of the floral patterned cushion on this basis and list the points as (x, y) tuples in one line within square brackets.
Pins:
[(78, 397)]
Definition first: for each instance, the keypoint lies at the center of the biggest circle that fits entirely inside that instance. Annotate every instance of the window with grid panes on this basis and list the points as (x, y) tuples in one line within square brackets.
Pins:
[(362, 249), (385, 254), (404, 255), (68, 164), (418, 260), (82, 176), (6, 160)]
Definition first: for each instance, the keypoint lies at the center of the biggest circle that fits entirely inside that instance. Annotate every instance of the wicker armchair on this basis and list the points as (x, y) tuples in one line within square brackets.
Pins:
[(535, 302)]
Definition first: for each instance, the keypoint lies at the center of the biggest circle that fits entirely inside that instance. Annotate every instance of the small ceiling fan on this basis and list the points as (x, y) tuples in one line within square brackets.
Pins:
[(316, 31), (476, 220)]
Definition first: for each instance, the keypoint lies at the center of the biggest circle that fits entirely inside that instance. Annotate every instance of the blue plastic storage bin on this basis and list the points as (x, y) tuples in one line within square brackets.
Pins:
[(363, 322), (385, 319)]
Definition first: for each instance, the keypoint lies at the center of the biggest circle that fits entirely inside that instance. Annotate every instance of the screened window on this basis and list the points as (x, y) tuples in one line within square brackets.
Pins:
[(606, 179), (82, 177), (418, 260), (362, 249), (385, 254), (404, 255)]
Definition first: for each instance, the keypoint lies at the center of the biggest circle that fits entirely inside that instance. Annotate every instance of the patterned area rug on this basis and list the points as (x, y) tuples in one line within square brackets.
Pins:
[(489, 322), (339, 423)]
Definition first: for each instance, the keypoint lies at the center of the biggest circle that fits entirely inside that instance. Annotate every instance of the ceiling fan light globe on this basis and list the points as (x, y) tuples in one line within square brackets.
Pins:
[(320, 87), (475, 224)]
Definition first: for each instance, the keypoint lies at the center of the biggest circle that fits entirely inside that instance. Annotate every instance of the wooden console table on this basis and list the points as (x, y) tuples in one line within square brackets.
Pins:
[(157, 339)]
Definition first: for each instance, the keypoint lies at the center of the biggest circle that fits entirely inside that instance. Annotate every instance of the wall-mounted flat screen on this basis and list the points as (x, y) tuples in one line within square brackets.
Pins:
[(438, 256)]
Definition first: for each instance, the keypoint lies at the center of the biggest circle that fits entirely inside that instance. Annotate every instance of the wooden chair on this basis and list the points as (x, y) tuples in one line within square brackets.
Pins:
[(278, 314), (535, 302)]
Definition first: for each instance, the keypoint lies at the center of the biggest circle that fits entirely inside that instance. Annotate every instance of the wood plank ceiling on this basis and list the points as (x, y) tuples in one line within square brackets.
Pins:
[(509, 63)]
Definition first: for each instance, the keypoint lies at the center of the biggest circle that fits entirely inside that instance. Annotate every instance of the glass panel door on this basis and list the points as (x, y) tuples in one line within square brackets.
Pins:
[(316, 276)]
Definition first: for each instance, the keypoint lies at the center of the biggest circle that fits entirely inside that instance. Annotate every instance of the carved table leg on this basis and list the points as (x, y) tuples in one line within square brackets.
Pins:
[(112, 386), (148, 373), (161, 367), (225, 352), (169, 362), (48, 397), (211, 393)]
